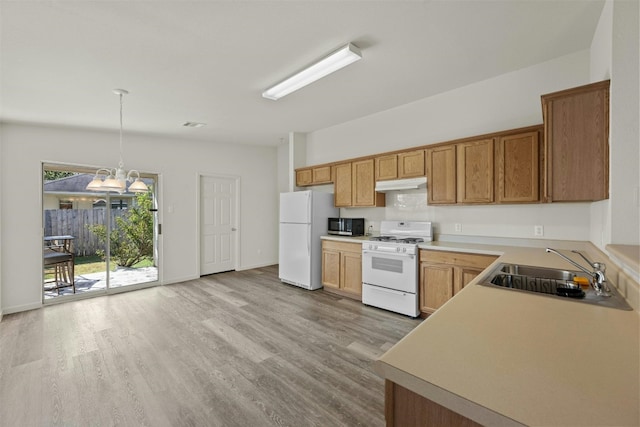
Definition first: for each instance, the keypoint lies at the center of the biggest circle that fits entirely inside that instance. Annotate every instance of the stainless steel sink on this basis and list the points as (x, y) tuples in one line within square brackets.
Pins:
[(548, 273), (551, 282)]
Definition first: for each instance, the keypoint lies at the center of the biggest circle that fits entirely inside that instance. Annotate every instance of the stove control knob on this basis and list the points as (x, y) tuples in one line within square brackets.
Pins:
[(398, 249), (404, 249)]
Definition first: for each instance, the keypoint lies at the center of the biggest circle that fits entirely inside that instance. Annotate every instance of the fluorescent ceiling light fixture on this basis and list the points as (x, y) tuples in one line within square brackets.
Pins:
[(332, 62)]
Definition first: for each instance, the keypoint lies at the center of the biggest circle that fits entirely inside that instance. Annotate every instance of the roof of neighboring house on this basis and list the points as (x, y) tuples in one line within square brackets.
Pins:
[(77, 183), (70, 184)]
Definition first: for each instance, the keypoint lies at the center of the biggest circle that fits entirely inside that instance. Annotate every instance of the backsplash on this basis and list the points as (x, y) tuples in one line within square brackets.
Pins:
[(567, 221)]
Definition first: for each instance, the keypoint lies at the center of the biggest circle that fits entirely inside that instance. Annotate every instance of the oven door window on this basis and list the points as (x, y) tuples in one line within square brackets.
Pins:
[(387, 264)]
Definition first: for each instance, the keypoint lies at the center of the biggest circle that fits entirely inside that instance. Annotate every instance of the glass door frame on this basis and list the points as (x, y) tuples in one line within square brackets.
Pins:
[(157, 249)]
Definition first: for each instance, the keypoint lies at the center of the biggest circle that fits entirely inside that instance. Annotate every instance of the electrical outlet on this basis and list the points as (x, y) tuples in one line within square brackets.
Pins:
[(458, 227), (538, 230)]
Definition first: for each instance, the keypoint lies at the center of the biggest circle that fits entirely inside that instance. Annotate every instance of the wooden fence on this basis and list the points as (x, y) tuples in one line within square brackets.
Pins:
[(76, 222)]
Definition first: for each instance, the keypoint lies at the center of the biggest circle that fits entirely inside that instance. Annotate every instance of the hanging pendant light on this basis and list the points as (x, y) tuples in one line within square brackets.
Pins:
[(116, 179)]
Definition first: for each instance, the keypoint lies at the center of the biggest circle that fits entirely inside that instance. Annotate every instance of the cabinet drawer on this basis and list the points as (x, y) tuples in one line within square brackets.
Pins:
[(333, 245), (457, 258)]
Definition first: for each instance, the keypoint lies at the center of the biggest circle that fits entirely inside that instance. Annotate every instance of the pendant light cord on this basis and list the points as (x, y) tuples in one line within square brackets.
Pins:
[(121, 164)]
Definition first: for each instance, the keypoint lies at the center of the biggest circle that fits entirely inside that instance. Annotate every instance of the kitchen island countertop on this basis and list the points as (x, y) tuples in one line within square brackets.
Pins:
[(501, 357)]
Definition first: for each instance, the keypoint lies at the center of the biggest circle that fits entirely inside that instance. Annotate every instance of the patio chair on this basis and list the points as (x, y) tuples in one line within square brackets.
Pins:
[(59, 261)]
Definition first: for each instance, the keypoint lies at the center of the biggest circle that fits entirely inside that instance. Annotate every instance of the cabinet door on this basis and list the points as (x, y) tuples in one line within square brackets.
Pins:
[(436, 286), (464, 276), (351, 272), (475, 171), (364, 184), (517, 168), (411, 164), (331, 268), (576, 123), (322, 175), (304, 177), (343, 186), (441, 175), (386, 167)]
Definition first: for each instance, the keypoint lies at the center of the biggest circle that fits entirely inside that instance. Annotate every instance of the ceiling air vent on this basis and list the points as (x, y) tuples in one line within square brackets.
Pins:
[(193, 124)]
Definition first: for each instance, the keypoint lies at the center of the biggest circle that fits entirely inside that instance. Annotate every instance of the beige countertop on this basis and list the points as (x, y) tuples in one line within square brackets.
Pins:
[(502, 357), (349, 239)]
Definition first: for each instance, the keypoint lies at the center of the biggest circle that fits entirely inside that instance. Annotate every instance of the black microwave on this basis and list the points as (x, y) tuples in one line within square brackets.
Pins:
[(346, 226)]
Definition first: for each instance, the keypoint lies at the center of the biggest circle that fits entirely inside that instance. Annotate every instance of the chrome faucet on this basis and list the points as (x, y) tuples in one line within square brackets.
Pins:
[(598, 279)]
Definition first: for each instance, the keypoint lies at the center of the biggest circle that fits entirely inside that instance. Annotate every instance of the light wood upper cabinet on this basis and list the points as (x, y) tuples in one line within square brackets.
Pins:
[(475, 171), (304, 177), (364, 185), (313, 176), (322, 175), (517, 168), (441, 175), (411, 164), (576, 143), (342, 268), (387, 167), (343, 185), (444, 274), (408, 164), (355, 185)]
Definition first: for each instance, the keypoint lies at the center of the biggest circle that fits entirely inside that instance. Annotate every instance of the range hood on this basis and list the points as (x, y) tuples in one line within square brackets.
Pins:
[(401, 184)]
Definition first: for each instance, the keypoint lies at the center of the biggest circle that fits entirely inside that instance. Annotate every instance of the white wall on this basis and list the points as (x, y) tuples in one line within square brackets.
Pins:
[(508, 101), (178, 162), (625, 117), (1, 144), (600, 69), (615, 54)]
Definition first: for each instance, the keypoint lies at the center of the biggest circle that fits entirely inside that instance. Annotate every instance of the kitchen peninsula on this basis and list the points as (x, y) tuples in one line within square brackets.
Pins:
[(499, 357)]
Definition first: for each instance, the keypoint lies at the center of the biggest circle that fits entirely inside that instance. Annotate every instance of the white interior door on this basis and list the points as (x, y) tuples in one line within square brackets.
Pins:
[(217, 224)]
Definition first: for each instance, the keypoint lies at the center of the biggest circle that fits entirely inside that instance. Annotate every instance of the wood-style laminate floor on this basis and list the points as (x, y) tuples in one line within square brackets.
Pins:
[(232, 349)]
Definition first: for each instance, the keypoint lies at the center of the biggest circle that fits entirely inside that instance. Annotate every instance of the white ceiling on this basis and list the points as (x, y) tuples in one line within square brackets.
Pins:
[(209, 61)]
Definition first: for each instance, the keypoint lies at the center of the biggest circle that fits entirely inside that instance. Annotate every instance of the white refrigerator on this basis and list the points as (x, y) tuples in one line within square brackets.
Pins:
[(303, 219)]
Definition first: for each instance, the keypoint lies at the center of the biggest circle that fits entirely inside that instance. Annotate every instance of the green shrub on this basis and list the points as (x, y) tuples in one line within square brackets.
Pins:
[(132, 237)]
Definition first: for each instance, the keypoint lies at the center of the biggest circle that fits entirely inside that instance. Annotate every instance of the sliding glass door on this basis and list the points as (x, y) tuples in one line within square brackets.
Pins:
[(95, 242)]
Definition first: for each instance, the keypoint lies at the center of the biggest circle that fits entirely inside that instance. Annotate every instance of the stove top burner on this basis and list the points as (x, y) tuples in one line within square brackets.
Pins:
[(383, 239), (414, 240), (393, 239)]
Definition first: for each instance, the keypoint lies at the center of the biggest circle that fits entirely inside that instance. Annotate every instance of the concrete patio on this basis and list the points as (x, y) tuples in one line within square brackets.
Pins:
[(98, 281)]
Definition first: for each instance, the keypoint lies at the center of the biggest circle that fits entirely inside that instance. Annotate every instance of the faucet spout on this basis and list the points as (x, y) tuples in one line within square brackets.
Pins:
[(598, 279)]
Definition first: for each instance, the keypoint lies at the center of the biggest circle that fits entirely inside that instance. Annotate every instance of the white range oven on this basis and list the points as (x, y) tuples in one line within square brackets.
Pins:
[(390, 266)]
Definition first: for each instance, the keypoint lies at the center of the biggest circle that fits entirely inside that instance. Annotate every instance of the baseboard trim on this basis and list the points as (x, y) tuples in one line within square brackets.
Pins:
[(24, 307), (179, 280), (251, 267)]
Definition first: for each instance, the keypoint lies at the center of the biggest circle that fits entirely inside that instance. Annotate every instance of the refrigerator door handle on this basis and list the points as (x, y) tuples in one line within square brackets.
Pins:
[(309, 240)]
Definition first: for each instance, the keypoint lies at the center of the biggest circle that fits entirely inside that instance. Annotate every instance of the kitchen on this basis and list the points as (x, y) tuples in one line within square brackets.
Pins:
[(507, 101)]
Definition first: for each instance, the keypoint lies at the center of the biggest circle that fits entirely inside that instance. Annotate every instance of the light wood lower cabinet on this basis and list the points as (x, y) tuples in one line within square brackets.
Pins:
[(342, 268), (443, 274), (404, 408)]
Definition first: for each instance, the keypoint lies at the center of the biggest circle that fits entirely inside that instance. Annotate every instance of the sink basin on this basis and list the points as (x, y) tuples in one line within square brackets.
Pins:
[(547, 273), (551, 282)]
